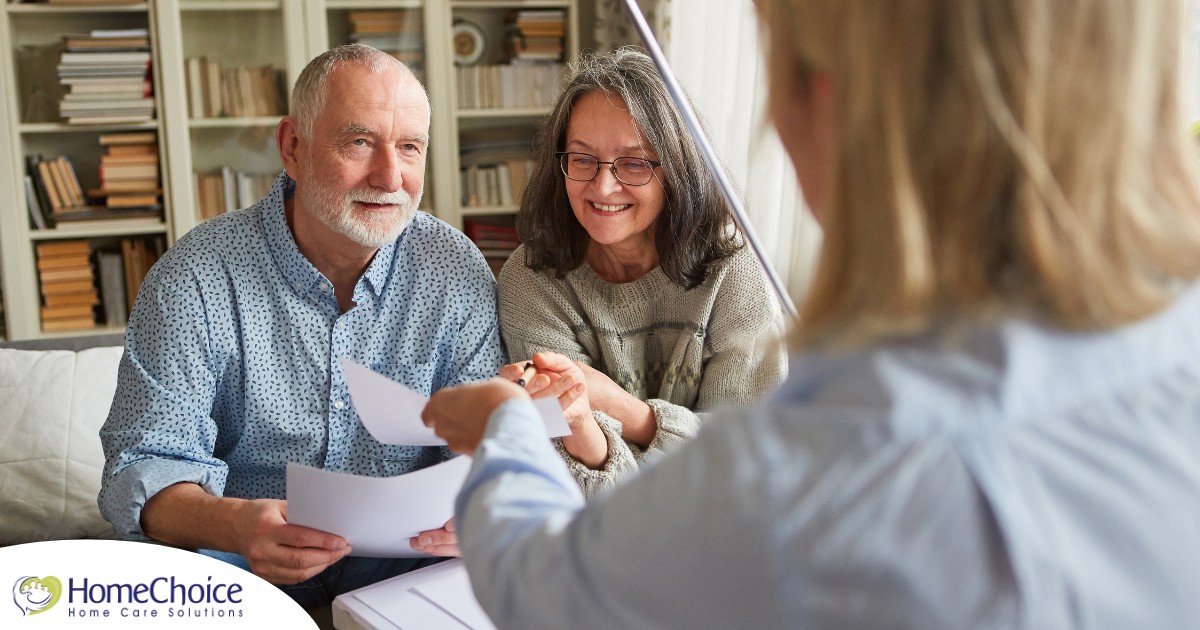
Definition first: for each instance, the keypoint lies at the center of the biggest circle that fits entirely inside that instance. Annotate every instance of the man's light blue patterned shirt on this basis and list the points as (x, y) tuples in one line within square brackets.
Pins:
[(231, 367)]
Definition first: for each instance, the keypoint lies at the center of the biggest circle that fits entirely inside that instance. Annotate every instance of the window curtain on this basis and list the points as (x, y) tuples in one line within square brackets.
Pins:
[(714, 51)]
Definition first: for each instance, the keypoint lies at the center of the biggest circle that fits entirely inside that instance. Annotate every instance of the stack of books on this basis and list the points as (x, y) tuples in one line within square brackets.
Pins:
[(215, 91), (129, 176), (68, 285), (105, 75), (227, 190), (397, 33), (537, 35), (496, 237)]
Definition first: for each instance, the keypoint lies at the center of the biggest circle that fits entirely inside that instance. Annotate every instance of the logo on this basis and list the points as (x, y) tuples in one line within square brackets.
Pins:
[(33, 594)]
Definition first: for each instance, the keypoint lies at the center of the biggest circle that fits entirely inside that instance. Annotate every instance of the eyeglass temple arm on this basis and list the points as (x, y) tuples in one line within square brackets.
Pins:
[(710, 157)]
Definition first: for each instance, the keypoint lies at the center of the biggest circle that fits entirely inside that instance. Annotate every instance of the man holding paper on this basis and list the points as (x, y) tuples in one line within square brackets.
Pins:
[(231, 367)]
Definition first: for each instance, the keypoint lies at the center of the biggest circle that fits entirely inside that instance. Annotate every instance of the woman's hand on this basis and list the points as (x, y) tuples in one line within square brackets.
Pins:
[(558, 377), (561, 377), (638, 424), (459, 414)]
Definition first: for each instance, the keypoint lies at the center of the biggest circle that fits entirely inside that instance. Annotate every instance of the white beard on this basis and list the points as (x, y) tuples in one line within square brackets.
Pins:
[(336, 210)]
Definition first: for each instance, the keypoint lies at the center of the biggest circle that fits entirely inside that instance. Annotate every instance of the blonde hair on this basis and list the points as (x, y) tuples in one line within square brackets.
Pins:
[(1024, 156)]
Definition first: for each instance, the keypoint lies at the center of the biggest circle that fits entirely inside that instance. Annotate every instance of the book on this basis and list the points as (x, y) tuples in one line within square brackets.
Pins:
[(56, 201), (36, 219), (72, 180), (130, 158), (94, 104), (66, 273), (80, 323), (131, 253), (68, 311), (80, 43), (62, 248), (97, 213), (132, 201), (61, 183), (121, 150), (109, 119), (139, 137), (69, 286), (145, 185), (39, 188), (112, 287), (61, 262), (111, 172), (67, 299), (106, 57)]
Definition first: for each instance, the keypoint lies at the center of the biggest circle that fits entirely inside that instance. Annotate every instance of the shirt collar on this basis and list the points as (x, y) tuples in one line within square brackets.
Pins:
[(296, 269)]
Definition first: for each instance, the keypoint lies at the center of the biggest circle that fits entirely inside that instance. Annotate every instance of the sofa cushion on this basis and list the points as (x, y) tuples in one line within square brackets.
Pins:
[(54, 402)]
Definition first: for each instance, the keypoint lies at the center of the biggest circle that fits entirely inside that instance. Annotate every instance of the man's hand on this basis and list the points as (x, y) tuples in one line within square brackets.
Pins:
[(185, 515), (281, 553), (437, 542)]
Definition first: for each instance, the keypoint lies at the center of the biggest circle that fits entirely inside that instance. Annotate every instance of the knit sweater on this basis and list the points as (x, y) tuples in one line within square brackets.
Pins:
[(679, 350)]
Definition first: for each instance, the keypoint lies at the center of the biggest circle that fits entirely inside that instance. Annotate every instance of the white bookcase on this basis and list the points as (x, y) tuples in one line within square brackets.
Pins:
[(246, 33)]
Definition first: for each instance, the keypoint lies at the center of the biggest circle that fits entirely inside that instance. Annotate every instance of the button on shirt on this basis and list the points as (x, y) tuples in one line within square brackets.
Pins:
[(232, 357), (1007, 476)]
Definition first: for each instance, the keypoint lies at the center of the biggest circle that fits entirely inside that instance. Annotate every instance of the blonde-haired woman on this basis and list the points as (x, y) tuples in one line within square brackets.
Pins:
[(993, 410)]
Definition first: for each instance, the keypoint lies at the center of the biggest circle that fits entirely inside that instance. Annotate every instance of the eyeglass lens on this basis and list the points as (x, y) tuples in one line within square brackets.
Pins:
[(628, 170)]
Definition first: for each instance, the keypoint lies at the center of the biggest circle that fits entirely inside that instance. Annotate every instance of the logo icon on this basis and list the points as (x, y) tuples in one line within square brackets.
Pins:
[(34, 594)]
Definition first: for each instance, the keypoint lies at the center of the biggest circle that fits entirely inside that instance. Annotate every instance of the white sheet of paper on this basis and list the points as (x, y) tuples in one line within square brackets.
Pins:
[(376, 515), (439, 596), (391, 412)]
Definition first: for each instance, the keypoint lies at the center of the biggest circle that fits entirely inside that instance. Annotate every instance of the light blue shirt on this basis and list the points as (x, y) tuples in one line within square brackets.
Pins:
[(231, 366), (1007, 476)]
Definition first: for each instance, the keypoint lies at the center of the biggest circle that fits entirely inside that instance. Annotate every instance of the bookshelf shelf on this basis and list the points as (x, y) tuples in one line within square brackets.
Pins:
[(93, 8), (223, 123), (56, 128), (90, 232), (504, 112), (512, 4), (489, 211), (373, 4), (226, 5)]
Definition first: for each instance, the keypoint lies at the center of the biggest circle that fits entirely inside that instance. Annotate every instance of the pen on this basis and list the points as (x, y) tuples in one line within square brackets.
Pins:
[(530, 370)]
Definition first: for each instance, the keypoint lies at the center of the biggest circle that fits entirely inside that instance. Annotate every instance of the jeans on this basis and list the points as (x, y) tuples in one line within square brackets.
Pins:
[(345, 575)]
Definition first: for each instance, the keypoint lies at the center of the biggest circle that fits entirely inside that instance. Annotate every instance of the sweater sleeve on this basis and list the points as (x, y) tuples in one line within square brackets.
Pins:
[(747, 358)]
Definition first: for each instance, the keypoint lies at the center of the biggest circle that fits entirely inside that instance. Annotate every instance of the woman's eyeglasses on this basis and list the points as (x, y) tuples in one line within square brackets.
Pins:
[(631, 171)]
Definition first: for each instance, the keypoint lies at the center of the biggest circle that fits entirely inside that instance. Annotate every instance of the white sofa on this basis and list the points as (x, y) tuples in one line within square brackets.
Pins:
[(52, 403)]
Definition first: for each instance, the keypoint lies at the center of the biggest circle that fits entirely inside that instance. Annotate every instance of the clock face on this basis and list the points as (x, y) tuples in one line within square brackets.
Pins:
[(464, 44), (469, 43)]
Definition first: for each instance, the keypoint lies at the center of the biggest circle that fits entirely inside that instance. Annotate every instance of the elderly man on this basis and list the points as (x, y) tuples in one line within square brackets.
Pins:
[(231, 365)]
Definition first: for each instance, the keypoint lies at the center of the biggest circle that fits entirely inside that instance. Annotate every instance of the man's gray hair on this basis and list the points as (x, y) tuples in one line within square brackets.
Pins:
[(308, 95)]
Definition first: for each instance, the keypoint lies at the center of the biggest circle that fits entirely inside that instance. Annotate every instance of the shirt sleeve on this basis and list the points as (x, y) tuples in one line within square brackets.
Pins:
[(748, 358), (159, 430), (539, 557)]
